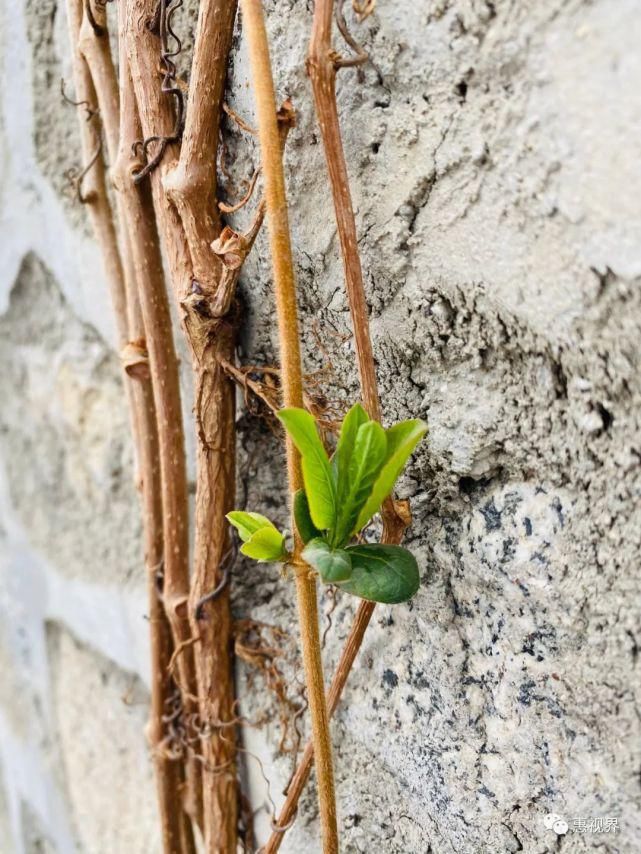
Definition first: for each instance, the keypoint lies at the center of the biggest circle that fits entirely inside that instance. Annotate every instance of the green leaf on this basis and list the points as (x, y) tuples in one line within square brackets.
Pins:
[(401, 440), (354, 419), (317, 472), (306, 528), (367, 457), (262, 539), (248, 523), (333, 565), (387, 574), (265, 544)]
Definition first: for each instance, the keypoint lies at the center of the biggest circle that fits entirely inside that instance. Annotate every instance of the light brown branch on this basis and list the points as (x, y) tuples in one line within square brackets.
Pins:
[(292, 383), (176, 831), (94, 181), (141, 401), (204, 282), (96, 51), (139, 221)]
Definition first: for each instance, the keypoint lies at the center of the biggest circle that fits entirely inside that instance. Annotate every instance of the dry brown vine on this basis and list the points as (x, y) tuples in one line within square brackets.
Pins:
[(143, 269), (176, 832), (209, 322)]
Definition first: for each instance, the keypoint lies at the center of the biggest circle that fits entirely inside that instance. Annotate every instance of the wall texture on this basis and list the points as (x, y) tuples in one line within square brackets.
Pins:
[(494, 154)]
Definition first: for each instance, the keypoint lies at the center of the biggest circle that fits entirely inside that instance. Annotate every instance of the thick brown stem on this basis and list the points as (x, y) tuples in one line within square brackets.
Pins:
[(191, 184), (209, 326), (141, 401), (292, 384), (138, 220), (210, 601)]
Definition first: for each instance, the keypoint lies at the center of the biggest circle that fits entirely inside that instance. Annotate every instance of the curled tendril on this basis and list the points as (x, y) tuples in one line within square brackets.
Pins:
[(363, 10), (226, 565), (162, 24), (277, 828), (359, 50), (328, 615), (261, 767), (90, 111), (76, 178)]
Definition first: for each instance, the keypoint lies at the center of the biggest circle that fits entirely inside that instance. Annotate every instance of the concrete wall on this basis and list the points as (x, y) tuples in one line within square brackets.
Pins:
[(494, 162)]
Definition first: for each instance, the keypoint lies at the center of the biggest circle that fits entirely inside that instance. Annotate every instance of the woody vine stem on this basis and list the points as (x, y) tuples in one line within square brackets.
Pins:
[(322, 66), (292, 384), (133, 267), (161, 144)]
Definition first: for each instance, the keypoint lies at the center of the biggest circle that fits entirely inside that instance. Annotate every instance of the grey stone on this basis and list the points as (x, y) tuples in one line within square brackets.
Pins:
[(101, 713), (64, 434)]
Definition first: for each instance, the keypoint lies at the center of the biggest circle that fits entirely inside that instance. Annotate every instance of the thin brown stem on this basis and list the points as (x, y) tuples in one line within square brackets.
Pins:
[(301, 775), (94, 185), (94, 46), (176, 831), (322, 65), (292, 385)]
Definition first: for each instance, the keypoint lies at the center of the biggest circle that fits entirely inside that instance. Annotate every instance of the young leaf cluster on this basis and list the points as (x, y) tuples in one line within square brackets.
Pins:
[(341, 495)]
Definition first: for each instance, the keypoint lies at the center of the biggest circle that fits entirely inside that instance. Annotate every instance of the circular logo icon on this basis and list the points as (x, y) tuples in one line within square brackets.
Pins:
[(555, 822), (560, 827)]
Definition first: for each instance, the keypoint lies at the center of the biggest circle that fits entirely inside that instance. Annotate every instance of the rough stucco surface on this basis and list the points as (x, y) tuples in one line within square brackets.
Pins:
[(493, 165)]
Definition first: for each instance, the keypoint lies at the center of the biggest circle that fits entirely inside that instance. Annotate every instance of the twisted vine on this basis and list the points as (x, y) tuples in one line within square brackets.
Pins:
[(161, 23)]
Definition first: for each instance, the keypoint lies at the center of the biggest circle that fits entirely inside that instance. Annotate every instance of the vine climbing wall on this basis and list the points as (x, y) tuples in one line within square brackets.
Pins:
[(492, 149)]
